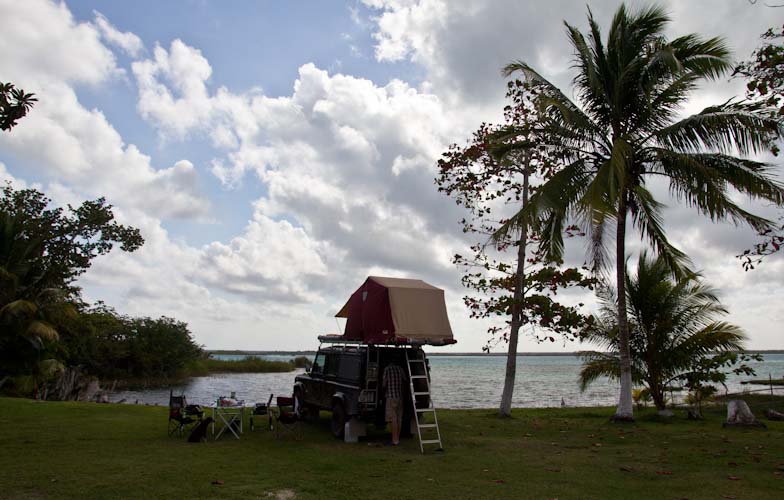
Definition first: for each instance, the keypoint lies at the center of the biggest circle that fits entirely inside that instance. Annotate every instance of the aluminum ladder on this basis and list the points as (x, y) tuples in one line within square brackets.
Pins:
[(419, 382)]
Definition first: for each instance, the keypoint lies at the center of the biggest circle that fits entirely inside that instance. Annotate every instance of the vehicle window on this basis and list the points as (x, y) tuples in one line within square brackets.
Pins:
[(349, 367), (318, 364), (331, 365)]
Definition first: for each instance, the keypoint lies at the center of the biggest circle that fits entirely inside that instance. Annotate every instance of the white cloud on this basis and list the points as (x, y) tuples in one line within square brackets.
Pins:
[(187, 71), (127, 41), (41, 42), (270, 260), (62, 140)]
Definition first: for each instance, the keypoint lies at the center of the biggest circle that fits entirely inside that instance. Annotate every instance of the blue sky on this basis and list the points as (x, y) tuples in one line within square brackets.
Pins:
[(274, 154), (249, 44)]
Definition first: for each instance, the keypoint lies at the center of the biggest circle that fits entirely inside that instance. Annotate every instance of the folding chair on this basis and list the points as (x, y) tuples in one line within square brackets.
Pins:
[(182, 416), (262, 409), (286, 418)]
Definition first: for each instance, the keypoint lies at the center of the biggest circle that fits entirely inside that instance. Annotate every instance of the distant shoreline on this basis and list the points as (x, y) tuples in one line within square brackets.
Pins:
[(431, 354)]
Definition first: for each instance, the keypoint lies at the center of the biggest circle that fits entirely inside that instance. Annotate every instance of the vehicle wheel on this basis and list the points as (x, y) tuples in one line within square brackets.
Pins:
[(307, 412), (298, 402), (338, 420)]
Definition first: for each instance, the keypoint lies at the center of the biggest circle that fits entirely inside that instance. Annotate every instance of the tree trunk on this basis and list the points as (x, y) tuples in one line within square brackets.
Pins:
[(505, 409), (658, 397), (625, 410)]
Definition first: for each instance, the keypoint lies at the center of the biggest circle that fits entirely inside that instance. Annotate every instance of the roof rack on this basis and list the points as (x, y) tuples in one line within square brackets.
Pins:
[(340, 339)]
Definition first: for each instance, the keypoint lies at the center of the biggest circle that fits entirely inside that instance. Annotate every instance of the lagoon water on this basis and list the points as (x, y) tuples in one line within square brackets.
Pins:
[(457, 382)]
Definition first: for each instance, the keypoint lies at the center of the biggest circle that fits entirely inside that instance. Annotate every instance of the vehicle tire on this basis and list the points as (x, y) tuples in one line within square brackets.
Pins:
[(338, 419), (301, 407), (309, 413)]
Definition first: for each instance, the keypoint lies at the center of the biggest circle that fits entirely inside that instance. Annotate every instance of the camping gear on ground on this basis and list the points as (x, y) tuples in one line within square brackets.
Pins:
[(262, 409), (228, 414), (182, 416), (286, 418), (232, 401), (388, 320)]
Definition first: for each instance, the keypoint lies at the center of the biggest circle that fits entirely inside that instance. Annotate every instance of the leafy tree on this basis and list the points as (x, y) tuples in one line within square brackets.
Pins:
[(512, 283), (50, 247), (625, 130), (676, 336), (42, 252), (14, 104), (115, 346), (765, 87)]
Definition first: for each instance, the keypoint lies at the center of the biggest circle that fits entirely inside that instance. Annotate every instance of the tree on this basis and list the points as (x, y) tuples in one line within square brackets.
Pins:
[(765, 87), (625, 131), (492, 171), (675, 333), (42, 252), (51, 247), (14, 104)]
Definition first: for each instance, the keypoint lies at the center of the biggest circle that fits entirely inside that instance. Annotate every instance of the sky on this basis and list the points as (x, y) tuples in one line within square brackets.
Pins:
[(274, 154)]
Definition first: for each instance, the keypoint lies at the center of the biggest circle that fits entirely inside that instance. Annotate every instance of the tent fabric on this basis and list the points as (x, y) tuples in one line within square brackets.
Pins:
[(397, 310)]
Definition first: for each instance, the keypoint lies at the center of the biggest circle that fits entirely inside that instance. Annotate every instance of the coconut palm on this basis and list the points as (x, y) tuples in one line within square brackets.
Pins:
[(673, 324), (625, 129)]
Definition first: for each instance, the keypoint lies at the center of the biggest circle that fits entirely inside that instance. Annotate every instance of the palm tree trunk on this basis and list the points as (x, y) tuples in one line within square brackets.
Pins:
[(625, 410), (505, 409)]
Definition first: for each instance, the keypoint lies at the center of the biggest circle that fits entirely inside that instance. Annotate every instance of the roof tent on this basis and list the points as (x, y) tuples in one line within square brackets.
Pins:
[(395, 310)]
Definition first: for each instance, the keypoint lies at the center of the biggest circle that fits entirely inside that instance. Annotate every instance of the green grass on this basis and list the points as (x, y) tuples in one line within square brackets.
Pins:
[(54, 450)]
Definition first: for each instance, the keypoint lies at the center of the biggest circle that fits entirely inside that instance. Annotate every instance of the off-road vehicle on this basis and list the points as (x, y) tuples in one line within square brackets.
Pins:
[(345, 378)]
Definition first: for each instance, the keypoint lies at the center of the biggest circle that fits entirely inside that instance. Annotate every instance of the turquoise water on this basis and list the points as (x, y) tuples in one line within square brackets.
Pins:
[(458, 382)]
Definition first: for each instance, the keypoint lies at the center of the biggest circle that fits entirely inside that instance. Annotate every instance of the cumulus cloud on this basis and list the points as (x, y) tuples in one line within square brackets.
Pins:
[(351, 162), (463, 44), (127, 41), (41, 42), (182, 105), (62, 139), (271, 260)]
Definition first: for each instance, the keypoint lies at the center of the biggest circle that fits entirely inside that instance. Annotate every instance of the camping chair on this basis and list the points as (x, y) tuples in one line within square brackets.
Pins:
[(182, 416), (286, 418), (262, 409)]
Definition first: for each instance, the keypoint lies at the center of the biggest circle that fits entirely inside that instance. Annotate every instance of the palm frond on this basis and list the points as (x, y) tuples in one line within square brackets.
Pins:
[(724, 128)]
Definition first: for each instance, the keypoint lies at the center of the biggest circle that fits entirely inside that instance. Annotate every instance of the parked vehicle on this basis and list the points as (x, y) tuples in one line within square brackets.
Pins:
[(346, 379), (388, 320)]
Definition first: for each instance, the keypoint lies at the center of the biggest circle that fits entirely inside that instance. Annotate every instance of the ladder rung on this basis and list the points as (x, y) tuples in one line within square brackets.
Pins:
[(427, 426), (416, 360), (421, 394), (430, 441), (418, 376), (422, 410)]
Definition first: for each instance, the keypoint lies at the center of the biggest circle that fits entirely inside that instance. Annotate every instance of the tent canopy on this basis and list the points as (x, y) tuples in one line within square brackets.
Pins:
[(397, 310)]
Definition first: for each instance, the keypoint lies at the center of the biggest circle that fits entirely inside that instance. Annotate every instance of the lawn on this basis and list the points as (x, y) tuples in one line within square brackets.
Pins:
[(81, 450)]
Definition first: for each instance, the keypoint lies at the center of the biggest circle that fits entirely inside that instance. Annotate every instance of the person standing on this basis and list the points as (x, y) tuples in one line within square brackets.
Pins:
[(392, 383)]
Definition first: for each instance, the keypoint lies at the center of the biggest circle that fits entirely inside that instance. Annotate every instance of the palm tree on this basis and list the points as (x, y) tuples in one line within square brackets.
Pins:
[(625, 131), (27, 312), (674, 328)]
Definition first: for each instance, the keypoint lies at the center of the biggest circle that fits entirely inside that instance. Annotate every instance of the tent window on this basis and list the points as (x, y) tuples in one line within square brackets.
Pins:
[(364, 296)]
